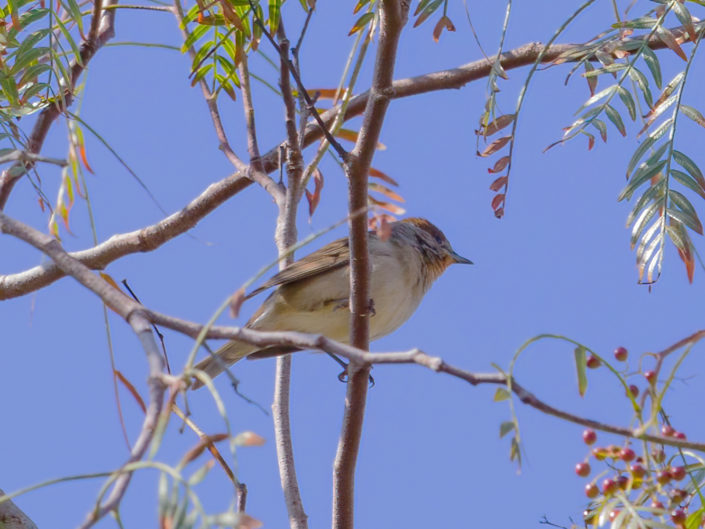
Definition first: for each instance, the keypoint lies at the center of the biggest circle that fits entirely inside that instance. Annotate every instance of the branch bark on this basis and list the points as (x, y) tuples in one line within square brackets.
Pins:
[(152, 237), (393, 16)]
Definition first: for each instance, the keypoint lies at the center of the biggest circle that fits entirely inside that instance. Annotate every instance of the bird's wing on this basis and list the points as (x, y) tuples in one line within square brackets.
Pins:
[(330, 257)]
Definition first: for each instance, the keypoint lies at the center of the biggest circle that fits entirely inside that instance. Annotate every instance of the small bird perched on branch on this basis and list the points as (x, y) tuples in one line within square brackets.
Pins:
[(312, 294)]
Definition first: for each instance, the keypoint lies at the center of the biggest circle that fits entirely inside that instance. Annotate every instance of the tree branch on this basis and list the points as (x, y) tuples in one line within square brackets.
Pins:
[(393, 16), (119, 245), (132, 312), (151, 237), (316, 342), (285, 237)]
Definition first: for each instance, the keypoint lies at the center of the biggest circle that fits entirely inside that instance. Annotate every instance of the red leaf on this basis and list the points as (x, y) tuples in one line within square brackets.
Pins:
[(494, 146), (500, 165), (496, 125), (498, 183), (497, 200), (131, 389), (443, 23), (382, 176), (315, 197)]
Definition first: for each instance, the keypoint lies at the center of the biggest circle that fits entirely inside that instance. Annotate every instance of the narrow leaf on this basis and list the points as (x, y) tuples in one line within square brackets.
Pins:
[(580, 365)]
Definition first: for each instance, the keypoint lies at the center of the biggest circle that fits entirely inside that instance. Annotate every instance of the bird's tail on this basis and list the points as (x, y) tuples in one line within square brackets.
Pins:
[(228, 354)]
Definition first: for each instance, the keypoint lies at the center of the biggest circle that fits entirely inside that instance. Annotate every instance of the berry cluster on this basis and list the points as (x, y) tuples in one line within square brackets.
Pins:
[(640, 490)]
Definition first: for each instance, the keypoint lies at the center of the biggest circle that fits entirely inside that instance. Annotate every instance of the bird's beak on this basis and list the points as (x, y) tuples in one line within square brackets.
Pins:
[(459, 258)]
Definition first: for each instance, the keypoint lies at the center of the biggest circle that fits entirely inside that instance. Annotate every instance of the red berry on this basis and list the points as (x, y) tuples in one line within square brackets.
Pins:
[(589, 436), (637, 470), (678, 516), (677, 473), (582, 469), (591, 490), (593, 362), (613, 514), (634, 390), (608, 486), (667, 430), (679, 435), (650, 376), (627, 454), (655, 504), (621, 353), (663, 477)]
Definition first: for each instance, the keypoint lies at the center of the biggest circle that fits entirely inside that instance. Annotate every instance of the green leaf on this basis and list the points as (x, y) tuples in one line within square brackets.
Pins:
[(646, 197), (682, 202), (580, 365), (693, 113), (641, 222), (643, 174), (616, 119), (505, 428), (33, 72), (607, 92), (639, 153), (628, 101), (72, 43), (681, 216), (600, 126), (655, 155), (274, 15), (653, 64), (689, 165), (361, 23), (201, 73), (193, 37), (643, 83), (27, 57), (688, 181), (501, 394)]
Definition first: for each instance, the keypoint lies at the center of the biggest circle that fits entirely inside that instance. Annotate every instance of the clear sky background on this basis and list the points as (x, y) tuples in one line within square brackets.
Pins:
[(559, 262)]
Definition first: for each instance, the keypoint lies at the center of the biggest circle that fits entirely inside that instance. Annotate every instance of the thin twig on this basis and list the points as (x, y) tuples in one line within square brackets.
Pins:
[(151, 237), (256, 170), (131, 311), (305, 341), (285, 237), (310, 107)]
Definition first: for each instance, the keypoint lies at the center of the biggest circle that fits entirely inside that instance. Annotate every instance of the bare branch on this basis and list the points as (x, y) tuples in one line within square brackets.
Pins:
[(142, 240), (305, 341), (393, 15), (152, 237), (285, 237), (105, 30), (256, 171), (131, 311)]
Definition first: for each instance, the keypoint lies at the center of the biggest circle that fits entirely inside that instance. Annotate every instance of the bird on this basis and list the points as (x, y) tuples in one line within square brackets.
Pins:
[(311, 295)]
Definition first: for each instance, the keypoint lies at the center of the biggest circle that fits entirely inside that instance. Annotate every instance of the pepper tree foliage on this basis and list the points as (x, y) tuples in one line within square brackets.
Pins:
[(40, 46)]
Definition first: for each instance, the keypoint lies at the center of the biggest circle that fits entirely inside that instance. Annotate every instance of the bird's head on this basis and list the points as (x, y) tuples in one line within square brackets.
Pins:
[(431, 243)]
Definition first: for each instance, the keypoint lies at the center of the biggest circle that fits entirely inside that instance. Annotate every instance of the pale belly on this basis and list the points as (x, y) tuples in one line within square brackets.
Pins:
[(393, 303)]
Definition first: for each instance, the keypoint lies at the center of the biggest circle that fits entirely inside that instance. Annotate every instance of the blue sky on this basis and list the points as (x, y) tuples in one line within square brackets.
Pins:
[(558, 262)]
